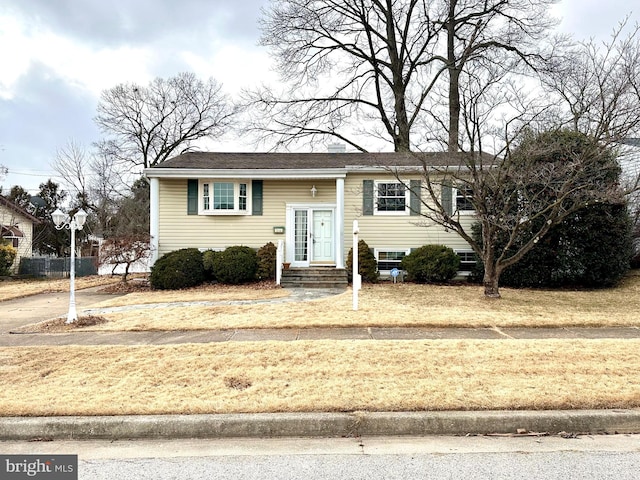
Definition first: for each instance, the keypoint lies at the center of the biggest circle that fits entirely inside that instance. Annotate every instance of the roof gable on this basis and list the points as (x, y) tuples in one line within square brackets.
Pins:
[(5, 202)]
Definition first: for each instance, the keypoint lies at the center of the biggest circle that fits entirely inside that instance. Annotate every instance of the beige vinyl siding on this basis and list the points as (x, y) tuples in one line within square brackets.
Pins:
[(394, 231), (25, 248), (179, 230), (25, 244)]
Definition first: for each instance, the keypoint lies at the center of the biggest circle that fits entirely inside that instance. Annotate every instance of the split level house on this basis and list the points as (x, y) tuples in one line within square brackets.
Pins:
[(309, 201), (16, 228)]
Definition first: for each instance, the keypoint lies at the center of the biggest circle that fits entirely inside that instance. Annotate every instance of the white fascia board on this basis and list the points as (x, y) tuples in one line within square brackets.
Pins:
[(280, 174), (371, 169), (405, 169)]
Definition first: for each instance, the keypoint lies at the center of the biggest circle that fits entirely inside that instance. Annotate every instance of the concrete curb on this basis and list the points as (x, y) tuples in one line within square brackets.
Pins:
[(319, 424)]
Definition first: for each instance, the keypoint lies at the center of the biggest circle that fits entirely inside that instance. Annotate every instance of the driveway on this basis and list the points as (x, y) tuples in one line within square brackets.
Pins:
[(36, 308)]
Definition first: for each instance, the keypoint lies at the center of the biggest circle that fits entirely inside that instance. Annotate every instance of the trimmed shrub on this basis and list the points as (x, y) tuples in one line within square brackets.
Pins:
[(267, 262), (178, 269), (7, 256), (367, 264), (236, 265), (208, 260), (431, 264)]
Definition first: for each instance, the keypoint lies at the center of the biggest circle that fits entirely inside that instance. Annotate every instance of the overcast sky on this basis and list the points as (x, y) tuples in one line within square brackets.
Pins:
[(57, 56)]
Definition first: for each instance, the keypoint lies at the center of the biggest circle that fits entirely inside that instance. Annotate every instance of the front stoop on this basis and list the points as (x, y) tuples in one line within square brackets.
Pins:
[(314, 277)]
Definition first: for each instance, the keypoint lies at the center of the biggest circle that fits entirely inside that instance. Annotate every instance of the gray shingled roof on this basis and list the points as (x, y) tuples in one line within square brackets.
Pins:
[(634, 142), (295, 161), (12, 206)]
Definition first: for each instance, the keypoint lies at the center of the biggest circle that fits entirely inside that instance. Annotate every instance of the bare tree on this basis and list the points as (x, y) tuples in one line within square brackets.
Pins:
[(378, 63), (146, 125), (530, 182), (94, 180), (72, 164), (125, 250), (107, 184), (598, 86)]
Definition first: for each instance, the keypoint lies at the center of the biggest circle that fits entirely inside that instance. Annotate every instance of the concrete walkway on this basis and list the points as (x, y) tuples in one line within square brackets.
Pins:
[(36, 308), (21, 312)]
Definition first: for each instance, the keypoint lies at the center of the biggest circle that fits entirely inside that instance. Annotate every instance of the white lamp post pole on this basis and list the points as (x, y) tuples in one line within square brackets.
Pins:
[(72, 316), (62, 220)]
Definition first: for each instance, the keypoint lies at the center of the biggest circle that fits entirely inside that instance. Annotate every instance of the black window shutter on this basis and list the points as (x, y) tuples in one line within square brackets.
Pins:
[(256, 197), (192, 197), (414, 202), (367, 197)]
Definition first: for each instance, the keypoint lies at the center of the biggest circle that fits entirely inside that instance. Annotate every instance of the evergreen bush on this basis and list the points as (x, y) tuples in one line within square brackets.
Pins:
[(267, 262), (592, 248), (237, 264), (431, 264), (367, 264), (178, 269), (208, 260)]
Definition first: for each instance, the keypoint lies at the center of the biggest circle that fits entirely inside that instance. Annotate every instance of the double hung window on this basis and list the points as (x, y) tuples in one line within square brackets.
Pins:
[(391, 198), (464, 199), (389, 259)]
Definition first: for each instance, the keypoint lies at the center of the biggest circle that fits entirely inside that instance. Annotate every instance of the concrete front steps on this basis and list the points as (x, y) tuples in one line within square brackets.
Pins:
[(314, 277)]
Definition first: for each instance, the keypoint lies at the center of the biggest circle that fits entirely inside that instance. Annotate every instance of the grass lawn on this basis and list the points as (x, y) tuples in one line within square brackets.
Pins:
[(386, 305), (341, 375), (320, 376)]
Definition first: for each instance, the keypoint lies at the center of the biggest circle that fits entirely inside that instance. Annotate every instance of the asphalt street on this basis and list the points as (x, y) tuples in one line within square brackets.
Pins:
[(476, 457)]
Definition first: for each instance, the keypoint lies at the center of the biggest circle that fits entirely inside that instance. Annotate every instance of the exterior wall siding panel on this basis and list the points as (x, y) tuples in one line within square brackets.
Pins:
[(394, 231), (178, 230)]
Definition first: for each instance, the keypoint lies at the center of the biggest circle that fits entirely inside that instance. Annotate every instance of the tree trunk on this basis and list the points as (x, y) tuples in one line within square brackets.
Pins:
[(454, 81), (454, 109), (490, 281)]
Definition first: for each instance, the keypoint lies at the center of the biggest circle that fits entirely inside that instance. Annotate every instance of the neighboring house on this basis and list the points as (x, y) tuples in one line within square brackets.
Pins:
[(308, 200), (16, 226)]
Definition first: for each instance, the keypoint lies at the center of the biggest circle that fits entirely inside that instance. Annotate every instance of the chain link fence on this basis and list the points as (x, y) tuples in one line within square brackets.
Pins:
[(57, 267)]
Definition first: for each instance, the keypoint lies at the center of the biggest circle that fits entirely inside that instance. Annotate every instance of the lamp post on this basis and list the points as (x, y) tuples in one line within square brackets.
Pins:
[(63, 220)]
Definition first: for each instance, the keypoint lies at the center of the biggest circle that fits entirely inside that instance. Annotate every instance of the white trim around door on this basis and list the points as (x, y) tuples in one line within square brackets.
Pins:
[(312, 234)]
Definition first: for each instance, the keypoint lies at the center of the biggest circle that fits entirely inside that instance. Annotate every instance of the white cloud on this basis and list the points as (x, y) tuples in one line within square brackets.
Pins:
[(233, 66)]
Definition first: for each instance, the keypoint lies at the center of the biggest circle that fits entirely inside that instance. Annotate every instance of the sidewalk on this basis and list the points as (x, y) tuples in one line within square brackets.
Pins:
[(17, 313), (28, 310)]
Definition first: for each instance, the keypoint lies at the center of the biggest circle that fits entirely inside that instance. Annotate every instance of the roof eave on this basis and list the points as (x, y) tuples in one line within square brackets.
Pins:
[(281, 174)]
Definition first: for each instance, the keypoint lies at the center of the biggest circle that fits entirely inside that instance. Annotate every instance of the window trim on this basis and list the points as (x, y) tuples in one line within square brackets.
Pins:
[(462, 272), (377, 251), (209, 184), (15, 241), (454, 201), (407, 198)]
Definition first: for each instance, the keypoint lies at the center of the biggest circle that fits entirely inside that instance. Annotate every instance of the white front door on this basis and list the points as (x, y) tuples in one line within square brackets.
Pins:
[(313, 236), (322, 236)]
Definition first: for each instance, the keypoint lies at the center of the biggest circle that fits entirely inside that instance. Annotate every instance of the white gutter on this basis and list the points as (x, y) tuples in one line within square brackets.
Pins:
[(311, 173)]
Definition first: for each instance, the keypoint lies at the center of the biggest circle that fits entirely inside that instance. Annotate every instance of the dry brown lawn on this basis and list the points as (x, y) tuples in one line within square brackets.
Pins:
[(207, 292), (388, 305), (348, 375), (320, 376)]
